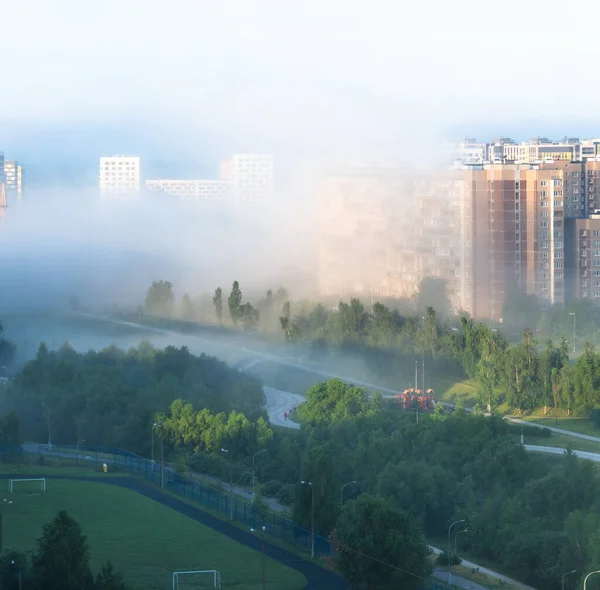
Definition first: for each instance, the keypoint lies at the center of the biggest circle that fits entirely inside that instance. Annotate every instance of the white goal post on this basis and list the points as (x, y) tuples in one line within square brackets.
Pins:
[(40, 479), (216, 576)]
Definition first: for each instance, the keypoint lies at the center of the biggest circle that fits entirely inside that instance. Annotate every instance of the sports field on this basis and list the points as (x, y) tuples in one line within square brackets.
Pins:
[(143, 538)]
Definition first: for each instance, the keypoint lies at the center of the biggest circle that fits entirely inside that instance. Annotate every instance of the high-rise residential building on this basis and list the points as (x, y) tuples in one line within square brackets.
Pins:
[(251, 177), (359, 211), (13, 177), (119, 175), (582, 245), (194, 190)]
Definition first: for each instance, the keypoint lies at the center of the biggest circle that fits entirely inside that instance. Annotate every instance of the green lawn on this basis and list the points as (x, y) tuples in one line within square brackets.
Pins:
[(145, 540), (562, 441)]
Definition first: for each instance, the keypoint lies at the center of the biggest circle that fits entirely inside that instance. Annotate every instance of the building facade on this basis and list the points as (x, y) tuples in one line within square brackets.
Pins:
[(119, 175), (193, 190), (13, 177), (251, 177)]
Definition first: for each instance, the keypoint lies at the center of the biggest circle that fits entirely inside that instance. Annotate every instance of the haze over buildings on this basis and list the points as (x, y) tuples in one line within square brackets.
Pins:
[(484, 229)]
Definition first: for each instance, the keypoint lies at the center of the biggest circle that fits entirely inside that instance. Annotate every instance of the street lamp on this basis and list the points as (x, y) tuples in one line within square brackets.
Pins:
[(562, 583), (13, 562), (574, 328), (47, 408), (590, 574), (77, 451), (254, 457), (456, 537), (450, 548), (342, 492), (155, 425), (230, 485), (312, 518), (5, 501), (264, 571)]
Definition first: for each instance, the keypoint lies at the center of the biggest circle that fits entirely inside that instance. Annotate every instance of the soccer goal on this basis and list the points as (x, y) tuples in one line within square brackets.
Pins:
[(42, 481), (197, 580)]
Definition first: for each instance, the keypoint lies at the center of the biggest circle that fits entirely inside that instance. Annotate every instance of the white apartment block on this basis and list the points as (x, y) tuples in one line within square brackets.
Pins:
[(193, 190), (13, 177), (251, 176), (119, 175)]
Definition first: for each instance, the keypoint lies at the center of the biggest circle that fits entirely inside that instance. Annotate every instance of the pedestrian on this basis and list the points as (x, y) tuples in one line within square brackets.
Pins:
[(285, 415)]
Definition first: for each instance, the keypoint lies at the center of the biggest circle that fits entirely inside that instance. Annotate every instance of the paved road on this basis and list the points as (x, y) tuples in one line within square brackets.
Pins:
[(486, 572), (279, 402), (557, 430), (317, 577), (442, 574), (558, 451)]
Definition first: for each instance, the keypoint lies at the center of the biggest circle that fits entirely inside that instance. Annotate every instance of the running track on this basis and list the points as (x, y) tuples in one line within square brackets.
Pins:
[(318, 577)]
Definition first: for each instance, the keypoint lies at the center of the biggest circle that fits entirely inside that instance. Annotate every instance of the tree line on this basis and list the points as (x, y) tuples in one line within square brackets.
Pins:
[(110, 397), (533, 515), (523, 375)]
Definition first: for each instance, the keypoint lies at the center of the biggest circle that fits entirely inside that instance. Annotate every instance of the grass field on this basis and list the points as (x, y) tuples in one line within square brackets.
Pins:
[(144, 539)]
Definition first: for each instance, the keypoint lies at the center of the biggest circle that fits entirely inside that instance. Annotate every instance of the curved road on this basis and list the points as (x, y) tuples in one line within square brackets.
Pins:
[(279, 402), (317, 577)]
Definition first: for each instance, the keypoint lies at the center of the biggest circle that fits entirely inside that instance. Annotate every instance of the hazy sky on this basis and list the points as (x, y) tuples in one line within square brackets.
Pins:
[(192, 80)]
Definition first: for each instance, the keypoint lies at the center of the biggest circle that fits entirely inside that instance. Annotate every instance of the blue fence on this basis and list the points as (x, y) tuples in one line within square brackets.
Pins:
[(216, 500)]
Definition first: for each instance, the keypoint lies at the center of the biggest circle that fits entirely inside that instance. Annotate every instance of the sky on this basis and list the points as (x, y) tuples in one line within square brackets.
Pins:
[(183, 83)]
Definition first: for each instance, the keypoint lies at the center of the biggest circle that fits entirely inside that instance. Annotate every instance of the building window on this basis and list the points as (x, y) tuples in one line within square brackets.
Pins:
[(543, 245), (544, 213), (544, 183), (544, 203), (558, 203), (545, 255), (559, 254), (544, 224), (558, 244), (544, 194)]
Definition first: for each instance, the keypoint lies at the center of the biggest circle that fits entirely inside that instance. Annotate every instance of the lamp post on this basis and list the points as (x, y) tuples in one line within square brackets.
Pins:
[(77, 451), (264, 570), (342, 492), (562, 582), (312, 518), (49, 441), (162, 459), (456, 537), (254, 457), (586, 578), (5, 501), (574, 328), (13, 562), (155, 425), (230, 485), (450, 549)]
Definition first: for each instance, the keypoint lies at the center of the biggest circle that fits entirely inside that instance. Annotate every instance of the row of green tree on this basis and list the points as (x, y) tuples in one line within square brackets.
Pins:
[(109, 398), (535, 516), (61, 561), (366, 465)]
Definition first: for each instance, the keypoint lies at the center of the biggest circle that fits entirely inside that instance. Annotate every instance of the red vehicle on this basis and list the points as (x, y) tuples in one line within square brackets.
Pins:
[(409, 397)]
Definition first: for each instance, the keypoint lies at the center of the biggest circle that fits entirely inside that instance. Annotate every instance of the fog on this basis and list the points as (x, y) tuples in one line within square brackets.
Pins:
[(186, 84)]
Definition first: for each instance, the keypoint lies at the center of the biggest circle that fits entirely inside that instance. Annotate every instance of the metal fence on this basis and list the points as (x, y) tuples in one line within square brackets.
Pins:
[(216, 500), (220, 501)]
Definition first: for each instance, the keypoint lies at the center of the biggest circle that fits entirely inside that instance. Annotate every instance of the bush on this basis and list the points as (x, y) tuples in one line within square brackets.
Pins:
[(270, 489), (287, 494), (245, 478), (208, 463), (442, 559)]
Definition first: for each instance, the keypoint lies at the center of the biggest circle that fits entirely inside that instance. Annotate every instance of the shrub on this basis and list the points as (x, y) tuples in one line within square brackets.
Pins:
[(270, 489), (442, 559)]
